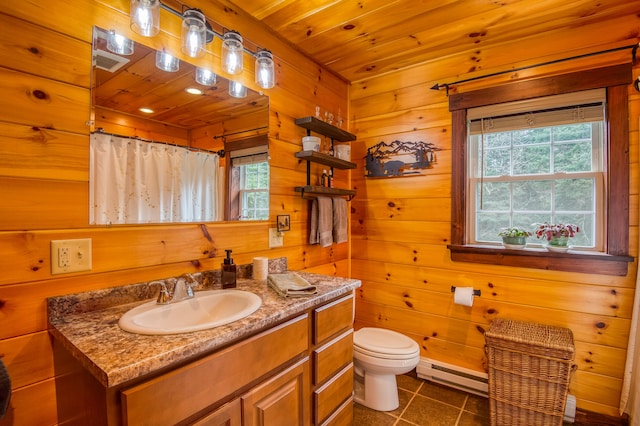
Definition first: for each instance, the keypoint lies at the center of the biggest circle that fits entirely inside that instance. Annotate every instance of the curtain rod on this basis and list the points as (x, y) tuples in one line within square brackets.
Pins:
[(102, 132), (241, 131), (438, 86)]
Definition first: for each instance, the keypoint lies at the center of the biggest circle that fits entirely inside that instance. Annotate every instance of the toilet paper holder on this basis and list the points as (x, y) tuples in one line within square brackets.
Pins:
[(475, 292)]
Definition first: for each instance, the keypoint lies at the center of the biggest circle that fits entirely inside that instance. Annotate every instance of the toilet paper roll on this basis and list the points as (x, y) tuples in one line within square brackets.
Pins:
[(260, 268), (463, 296)]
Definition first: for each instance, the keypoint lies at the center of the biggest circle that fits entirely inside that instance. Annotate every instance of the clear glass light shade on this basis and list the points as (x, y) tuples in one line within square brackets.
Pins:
[(205, 77), (265, 73), (237, 90), (232, 53), (119, 44), (145, 17), (194, 33), (166, 62)]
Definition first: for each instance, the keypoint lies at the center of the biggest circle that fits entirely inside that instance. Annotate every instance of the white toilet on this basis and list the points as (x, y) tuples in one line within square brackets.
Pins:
[(379, 355)]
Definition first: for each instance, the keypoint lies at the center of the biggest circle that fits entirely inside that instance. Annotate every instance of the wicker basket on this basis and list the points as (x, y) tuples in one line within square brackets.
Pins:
[(529, 369)]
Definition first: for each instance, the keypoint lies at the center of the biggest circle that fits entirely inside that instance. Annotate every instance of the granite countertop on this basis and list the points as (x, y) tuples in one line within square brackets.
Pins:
[(88, 328)]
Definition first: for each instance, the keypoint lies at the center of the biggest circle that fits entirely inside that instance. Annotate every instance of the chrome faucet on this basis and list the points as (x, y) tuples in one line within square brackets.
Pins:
[(182, 289)]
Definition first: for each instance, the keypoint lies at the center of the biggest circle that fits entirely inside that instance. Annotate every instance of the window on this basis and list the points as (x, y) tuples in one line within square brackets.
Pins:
[(250, 185), (613, 258), (538, 161)]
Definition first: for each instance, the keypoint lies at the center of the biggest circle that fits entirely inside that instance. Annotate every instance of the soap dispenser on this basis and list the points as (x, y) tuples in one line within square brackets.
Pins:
[(228, 272)]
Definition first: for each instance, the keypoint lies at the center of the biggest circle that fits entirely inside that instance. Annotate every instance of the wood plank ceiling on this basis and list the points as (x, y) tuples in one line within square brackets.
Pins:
[(359, 39)]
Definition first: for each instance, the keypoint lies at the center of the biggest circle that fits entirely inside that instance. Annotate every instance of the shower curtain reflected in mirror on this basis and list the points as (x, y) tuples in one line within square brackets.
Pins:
[(138, 181)]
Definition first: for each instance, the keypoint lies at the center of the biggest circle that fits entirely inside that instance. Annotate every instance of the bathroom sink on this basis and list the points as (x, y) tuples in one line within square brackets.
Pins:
[(207, 309)]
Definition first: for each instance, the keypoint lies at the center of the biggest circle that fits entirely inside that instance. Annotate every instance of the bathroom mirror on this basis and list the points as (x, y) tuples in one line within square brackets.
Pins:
[(133, 99)]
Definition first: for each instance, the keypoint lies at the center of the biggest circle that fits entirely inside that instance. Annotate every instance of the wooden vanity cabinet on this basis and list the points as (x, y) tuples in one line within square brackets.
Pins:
[(332, 361), (177, 395), (299, 372)]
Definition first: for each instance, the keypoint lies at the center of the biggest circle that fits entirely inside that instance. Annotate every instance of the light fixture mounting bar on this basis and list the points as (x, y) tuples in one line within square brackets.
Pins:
[(209, 30)]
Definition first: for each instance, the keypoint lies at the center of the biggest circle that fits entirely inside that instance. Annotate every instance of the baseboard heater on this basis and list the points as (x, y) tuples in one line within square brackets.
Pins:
[(453, 376), (471, 381)]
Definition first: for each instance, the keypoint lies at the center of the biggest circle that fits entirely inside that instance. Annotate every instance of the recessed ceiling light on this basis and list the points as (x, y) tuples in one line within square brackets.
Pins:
[(146, 110), (193, 91)]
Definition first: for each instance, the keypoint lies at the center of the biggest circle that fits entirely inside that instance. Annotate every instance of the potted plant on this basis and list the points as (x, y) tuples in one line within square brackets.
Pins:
[(514, 236), (556, 234)]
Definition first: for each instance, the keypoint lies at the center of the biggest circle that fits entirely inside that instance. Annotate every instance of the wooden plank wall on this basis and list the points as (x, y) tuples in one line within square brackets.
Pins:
[(45, 63), (401, 226)]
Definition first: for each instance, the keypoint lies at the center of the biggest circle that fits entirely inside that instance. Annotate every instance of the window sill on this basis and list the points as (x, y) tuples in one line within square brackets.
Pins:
[(539, 258)]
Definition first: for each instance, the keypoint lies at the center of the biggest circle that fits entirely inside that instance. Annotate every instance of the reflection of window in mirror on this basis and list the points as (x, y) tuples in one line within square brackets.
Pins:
[(249, 184)]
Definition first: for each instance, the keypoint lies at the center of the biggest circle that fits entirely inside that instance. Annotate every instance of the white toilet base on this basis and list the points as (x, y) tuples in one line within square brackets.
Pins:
[(379, 392)]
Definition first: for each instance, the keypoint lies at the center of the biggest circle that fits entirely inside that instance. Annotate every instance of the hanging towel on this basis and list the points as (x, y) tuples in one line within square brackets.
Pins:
[(321, 222), (340, 220), (290, 285), (313, 232), (5, 389)]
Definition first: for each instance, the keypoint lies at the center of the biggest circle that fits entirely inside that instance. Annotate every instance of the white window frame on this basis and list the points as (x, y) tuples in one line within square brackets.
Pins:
[(510, 113)]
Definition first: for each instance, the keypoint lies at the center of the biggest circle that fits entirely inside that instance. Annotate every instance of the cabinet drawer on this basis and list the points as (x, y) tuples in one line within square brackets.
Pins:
[(343, 415), (332, 318), (330, 396), (174, 396), (332, 356)]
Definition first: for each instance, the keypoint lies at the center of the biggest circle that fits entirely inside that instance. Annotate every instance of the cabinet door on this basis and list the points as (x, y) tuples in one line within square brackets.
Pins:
[(282, 400), (229, 414), (161, 400)]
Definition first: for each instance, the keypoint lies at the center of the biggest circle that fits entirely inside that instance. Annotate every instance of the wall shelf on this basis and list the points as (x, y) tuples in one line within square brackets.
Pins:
[(327, 160), (335, 133)]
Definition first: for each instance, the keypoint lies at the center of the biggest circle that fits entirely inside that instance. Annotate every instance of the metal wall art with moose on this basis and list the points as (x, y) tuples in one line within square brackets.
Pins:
[(400, 158)]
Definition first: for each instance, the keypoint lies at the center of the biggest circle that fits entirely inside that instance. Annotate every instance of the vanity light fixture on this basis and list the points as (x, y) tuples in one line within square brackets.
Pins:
[(167, 62), (194, 33), (237, 90), (265, 77), (232, 52), (119, 44), (205, 77), (145, 17)]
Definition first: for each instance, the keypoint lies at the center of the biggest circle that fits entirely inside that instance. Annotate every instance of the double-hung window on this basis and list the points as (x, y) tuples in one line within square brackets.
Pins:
[(536, 161), (249, 193), (552, 149)]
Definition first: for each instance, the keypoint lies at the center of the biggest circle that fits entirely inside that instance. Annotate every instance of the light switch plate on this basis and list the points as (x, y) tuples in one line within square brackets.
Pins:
[(70, 255), (276, 239)]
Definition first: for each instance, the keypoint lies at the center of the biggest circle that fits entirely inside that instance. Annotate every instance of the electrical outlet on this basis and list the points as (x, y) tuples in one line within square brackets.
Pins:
[(276, 239), (70, 255)]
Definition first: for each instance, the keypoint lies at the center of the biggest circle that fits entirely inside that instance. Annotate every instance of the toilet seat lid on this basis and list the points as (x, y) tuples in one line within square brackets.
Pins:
[(384, 342)]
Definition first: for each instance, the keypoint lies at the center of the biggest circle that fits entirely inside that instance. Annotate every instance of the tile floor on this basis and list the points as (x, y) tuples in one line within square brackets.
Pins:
[(424, 403), (427, 404)]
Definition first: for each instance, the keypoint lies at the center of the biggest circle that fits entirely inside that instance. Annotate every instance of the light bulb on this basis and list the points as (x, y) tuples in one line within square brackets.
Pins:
[(167, 62), (237, 90), (265, 77), (119, 44), (145, 17), (232, 53), (205, 77), (194, 32)]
